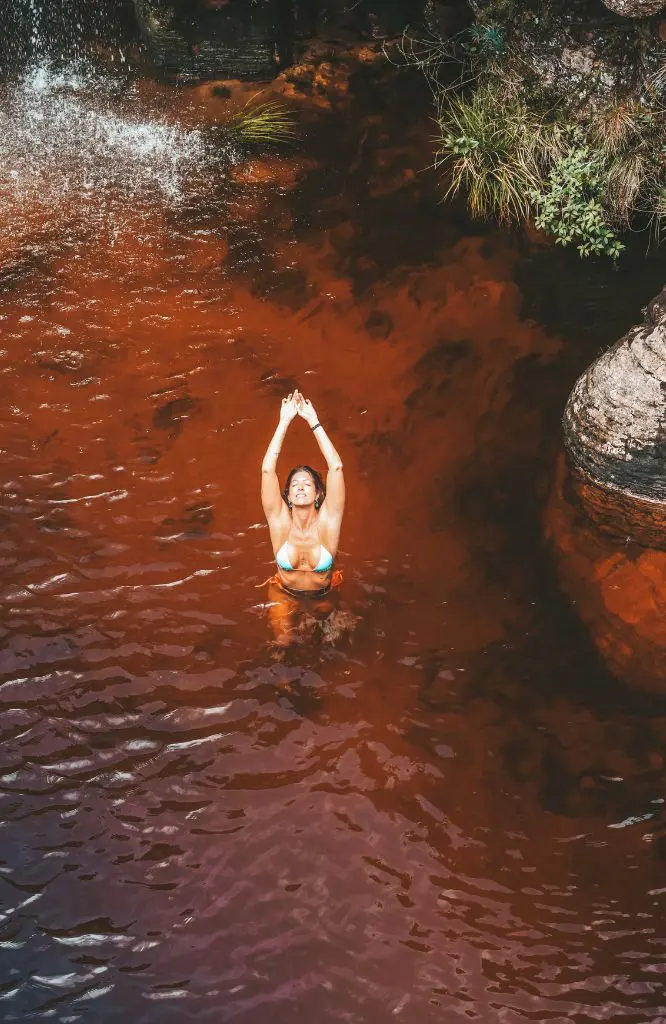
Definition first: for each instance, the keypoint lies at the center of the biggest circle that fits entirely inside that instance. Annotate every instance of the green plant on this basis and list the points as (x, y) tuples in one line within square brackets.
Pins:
[(570, 204), (483, 42), (262, 122), (495, 152)]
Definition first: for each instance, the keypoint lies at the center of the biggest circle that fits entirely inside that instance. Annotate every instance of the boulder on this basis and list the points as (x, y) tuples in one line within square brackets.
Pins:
[(606, 517), (634, 8), (615, 434)]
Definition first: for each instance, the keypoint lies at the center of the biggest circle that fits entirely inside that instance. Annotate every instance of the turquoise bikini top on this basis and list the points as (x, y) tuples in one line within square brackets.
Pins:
[(323, 565)]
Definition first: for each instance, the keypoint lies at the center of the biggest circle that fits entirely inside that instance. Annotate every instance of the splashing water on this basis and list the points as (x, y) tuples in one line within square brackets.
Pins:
[(36, 36), (76, 138)]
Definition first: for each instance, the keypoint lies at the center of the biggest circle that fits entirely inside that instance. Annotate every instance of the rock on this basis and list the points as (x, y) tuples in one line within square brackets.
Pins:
[(235, 40), (331, 81), (634, 8), (607, 514), (579, 56), (615, 434), (324, 81), (369, 54)]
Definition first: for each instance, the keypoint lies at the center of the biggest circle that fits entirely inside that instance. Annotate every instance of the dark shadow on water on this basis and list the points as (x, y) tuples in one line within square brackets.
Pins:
[(590, 302)]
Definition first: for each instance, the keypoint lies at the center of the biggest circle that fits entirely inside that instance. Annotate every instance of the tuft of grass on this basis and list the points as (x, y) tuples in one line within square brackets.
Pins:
[(496, 151), (627, 138), (658, 216), (615, 128), (262, 123), (623, 126), (658, 79), (628, 176)]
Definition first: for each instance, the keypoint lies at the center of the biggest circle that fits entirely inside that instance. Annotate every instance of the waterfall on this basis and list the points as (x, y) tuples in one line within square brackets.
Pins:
[(59, 29), (73, 130), (80, 139)]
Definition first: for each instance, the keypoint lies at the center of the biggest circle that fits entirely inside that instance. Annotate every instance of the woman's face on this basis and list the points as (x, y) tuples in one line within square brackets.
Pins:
[(302, 490)]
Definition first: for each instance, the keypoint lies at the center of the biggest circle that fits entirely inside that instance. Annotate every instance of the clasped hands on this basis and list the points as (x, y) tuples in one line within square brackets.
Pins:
[(296, 405)]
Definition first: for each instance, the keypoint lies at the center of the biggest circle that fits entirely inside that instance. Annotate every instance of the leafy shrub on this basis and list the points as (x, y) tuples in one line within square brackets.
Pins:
[(570, 204)]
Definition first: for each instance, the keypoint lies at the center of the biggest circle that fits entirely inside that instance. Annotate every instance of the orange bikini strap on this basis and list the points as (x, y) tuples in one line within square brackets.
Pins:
[(336, 580), (271, 579)]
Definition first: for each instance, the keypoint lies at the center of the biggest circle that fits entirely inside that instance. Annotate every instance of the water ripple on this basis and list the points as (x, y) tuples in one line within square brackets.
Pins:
[(412, 817)]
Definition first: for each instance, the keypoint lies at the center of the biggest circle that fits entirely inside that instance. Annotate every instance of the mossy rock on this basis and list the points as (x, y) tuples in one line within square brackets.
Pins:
[(238, 40)]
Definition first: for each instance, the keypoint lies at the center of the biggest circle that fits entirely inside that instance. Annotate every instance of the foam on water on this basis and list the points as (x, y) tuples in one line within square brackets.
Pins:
[(71, 133)]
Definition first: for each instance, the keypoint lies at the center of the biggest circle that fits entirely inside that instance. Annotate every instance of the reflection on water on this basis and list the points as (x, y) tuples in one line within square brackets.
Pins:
[(440, 814)]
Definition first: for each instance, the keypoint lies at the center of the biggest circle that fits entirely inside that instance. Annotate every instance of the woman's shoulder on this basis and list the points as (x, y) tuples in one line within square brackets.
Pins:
[(329, 530), (279, 529)]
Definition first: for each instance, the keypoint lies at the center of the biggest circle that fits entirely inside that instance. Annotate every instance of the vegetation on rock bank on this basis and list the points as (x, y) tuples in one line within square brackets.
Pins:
[(555, 119)]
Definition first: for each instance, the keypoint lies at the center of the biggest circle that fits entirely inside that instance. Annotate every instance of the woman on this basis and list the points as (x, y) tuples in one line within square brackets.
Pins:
[(304, 520)]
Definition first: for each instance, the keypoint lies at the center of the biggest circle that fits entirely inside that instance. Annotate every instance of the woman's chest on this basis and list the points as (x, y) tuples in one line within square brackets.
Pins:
[(303, 549)]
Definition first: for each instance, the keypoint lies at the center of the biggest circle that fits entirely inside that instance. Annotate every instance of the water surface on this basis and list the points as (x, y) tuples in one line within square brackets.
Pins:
[(448, 812)]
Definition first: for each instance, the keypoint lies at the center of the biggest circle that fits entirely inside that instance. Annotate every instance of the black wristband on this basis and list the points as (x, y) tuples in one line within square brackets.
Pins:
[(316, 425)]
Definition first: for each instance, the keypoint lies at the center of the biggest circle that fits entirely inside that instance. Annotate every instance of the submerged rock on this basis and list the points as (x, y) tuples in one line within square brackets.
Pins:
[(618, 589)]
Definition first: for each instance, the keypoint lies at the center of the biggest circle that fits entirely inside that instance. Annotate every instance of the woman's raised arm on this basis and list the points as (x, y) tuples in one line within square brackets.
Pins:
[(271, 498), (335, 481)]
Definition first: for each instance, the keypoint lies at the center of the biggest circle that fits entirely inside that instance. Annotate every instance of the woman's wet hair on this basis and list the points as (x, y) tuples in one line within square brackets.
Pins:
[(316, 479)]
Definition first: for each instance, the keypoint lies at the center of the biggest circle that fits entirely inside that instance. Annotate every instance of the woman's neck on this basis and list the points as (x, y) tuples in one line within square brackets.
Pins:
[(303, 518)]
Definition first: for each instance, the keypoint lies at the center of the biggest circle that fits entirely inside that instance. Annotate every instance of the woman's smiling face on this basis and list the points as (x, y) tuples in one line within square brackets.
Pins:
[(302, 489)]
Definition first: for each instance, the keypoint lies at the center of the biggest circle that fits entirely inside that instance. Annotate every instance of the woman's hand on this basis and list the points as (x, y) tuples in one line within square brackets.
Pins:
[(289, 407), (307, 410)]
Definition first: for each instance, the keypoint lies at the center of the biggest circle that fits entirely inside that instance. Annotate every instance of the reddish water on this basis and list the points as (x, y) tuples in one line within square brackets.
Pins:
[(441, 815)]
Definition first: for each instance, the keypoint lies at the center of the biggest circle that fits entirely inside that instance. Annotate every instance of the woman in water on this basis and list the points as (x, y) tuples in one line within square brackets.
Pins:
[(304, 520)]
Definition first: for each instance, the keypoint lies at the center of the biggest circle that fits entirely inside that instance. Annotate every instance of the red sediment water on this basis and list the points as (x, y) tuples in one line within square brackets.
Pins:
[(619, 588), (439, 809)]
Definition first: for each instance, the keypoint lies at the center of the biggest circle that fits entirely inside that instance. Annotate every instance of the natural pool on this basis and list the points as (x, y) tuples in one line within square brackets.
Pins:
[(451, 813)]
